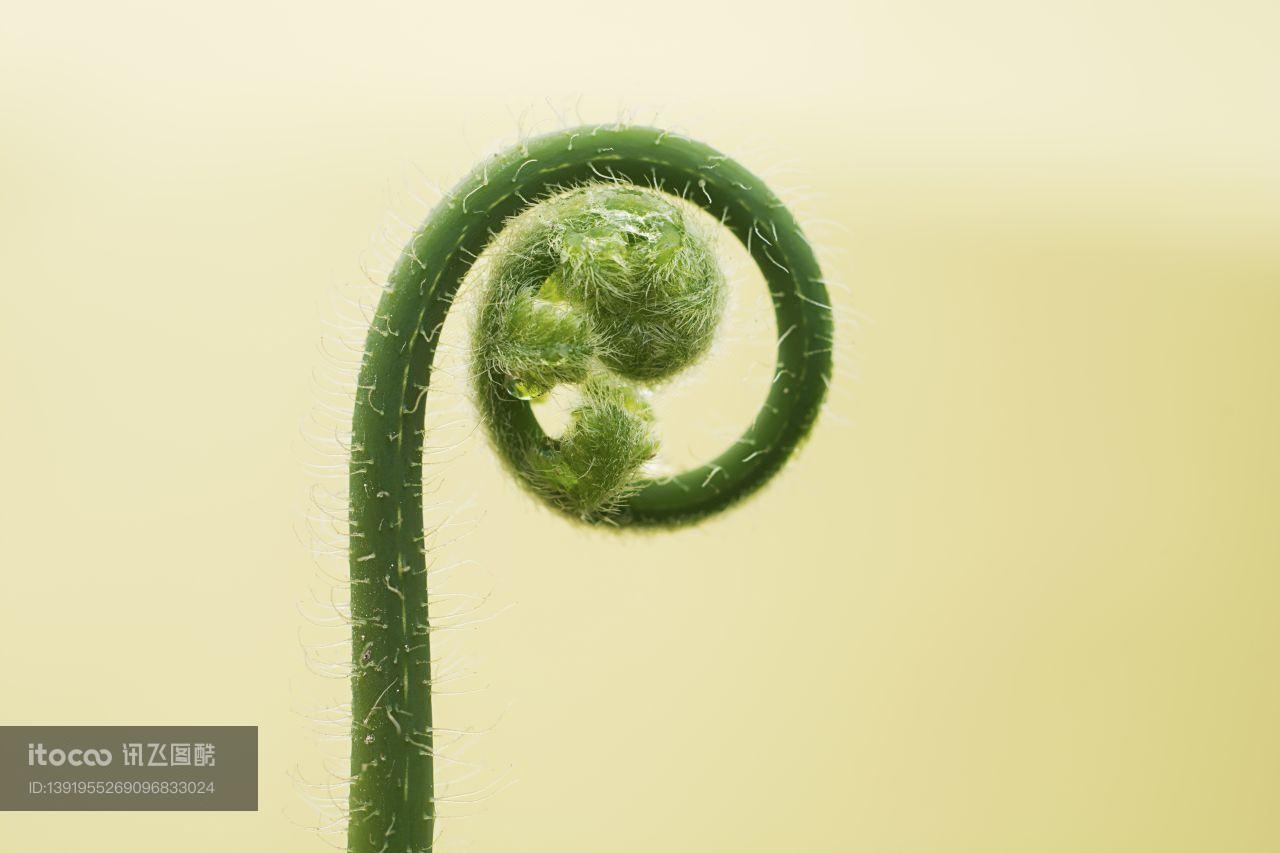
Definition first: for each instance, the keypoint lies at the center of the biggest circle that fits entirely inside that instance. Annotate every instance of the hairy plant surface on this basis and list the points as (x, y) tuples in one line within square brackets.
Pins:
[(605, 284)]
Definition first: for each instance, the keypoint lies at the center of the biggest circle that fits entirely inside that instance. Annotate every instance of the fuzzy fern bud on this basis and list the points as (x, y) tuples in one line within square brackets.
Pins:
[(606, 287)]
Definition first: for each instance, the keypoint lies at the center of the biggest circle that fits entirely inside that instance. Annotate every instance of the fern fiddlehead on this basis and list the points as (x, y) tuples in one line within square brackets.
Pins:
[(606, 285)]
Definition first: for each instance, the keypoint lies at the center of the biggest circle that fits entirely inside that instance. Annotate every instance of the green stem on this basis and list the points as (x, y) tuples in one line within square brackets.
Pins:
[(392, 805)]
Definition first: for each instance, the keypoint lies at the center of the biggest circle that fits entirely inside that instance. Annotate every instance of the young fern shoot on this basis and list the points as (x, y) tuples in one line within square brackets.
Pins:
[(600, 280)]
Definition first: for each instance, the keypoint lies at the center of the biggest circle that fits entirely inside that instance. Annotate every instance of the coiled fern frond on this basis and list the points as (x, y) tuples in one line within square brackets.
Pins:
[(599, 280)]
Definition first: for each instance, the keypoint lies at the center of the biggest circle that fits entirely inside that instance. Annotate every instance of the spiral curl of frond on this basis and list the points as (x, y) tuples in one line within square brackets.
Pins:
[(603, 285)]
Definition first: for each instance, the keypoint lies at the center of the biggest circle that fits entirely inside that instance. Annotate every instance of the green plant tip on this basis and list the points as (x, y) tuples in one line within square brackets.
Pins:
[(605, 285)]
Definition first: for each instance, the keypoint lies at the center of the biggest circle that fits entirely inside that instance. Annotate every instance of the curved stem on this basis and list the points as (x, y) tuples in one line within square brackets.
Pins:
[(392, 803)]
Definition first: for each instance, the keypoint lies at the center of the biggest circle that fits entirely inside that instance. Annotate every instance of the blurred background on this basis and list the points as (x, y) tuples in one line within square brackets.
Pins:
[(1020, 592)]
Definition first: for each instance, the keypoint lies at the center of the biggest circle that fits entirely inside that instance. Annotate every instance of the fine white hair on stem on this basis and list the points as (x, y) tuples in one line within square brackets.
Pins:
[(326, 453)]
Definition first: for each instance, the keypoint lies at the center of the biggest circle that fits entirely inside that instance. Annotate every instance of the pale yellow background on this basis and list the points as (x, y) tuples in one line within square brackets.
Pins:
[(1020, 593)]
